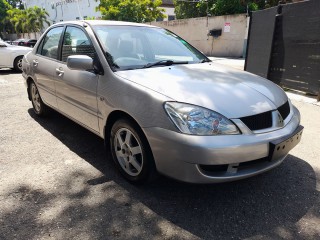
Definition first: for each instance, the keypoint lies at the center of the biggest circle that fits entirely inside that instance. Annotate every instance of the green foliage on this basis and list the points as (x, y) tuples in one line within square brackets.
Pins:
[(223, 7), (4, 7), (16, 4), (27, 21), (188, 9), (131, 10), (89, 18), (191, 9)]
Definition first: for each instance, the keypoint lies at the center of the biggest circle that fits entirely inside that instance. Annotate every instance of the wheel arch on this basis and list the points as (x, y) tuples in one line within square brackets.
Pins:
[(29, 80), (113, 117), (17, 57)]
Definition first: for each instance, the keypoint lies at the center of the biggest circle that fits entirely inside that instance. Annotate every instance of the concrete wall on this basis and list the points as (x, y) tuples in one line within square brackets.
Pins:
[(22, 35), (194, 30)]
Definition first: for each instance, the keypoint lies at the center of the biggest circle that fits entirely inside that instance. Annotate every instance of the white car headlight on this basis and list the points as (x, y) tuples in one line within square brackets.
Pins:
[(196, 120)]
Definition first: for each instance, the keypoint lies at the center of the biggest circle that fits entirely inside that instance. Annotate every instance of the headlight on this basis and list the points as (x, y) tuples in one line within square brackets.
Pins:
[(196, 120)]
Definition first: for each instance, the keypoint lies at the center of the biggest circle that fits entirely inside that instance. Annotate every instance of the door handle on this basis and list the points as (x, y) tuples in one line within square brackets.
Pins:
[(35, 63), (59, 71)]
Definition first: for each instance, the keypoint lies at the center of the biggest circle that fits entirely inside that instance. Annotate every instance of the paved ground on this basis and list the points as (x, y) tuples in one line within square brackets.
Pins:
[(56, 182), (237, 63)]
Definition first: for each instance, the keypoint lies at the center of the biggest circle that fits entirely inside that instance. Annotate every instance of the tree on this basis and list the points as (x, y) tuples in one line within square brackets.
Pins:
[(4, 7), (198, 8), (223, 7), (16, 4), (27, 21), (18, 19), (40, 18), (192, 8), (131, 10)]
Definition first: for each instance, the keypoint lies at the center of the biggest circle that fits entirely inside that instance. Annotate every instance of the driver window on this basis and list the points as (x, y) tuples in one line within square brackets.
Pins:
[(76, 42)]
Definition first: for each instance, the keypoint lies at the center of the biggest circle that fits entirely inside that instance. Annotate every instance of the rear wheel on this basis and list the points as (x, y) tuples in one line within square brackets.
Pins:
[(131, 152), (38, 106), (17, 64)]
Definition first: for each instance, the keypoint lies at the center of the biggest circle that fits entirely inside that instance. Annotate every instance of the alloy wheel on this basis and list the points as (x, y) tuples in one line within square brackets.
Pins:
[(35, 97), (128, 152), (19, 64)]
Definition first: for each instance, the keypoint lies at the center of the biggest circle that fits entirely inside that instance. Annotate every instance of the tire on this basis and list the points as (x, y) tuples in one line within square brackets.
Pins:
[(17, 64), (131, 152), (39, 107)]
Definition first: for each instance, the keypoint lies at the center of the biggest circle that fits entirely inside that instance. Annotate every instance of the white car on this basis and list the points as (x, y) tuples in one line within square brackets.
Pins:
[(11, 56)]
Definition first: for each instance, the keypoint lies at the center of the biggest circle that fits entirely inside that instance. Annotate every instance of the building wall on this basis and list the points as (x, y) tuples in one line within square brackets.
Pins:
[(68, 10), (194, 30), (169, 12)]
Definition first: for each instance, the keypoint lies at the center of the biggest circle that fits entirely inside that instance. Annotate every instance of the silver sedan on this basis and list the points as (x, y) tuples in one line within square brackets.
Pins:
[(160, 105)]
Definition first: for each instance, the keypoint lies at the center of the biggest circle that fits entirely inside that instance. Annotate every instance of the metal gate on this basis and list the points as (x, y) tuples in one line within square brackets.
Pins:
[(284, 45)]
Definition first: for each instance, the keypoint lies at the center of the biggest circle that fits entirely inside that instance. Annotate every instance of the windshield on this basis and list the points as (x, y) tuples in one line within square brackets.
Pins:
[(132, 47)]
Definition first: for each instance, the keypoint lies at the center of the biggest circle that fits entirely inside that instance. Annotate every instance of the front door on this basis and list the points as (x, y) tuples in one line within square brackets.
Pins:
[(77, 90)]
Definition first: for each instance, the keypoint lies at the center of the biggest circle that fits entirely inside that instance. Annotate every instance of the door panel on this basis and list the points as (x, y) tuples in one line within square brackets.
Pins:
[(6, 57), (44, 72), (77, 90), (44, 64), (77, 95)]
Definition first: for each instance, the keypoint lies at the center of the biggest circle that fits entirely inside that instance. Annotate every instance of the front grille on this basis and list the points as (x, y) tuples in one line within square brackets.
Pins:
[(264, 120), (220, 170), (284, 110), (259, 121), (214, 168)]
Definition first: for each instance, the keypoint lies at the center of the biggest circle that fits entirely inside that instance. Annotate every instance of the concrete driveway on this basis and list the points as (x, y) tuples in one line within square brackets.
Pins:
[(57, 182)]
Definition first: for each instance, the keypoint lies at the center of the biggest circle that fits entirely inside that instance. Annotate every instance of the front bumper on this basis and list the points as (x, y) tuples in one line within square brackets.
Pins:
[(210, 159)]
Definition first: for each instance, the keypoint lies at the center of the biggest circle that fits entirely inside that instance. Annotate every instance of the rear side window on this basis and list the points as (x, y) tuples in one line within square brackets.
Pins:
[(50, 43), (76, 42)]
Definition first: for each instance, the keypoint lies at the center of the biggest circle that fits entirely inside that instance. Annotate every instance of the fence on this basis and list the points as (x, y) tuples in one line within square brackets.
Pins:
[(284, 45)]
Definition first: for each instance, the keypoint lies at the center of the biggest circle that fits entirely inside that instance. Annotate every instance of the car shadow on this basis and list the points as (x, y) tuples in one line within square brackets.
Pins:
[(256, 206), (8, 71)]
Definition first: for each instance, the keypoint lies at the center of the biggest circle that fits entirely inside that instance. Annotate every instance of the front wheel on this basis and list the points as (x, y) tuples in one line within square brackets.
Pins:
[(38, 106), (131, 152)]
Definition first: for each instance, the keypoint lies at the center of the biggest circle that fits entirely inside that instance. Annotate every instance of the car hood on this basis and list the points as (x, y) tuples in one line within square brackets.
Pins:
[(231, 92)]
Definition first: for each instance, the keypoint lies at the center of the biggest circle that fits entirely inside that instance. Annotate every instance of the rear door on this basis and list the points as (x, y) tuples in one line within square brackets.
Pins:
[(44, 63), (77, 90)]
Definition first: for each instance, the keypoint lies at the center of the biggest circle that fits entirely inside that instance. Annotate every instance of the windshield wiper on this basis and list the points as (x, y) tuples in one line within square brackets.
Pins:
[(205, 60), (164, 62)]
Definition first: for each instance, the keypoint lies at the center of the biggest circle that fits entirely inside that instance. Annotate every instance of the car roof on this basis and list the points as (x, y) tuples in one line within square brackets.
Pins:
[(104, 22)]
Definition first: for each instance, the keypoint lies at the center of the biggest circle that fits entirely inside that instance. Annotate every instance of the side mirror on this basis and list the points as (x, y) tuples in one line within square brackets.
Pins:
[(80, 62)]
